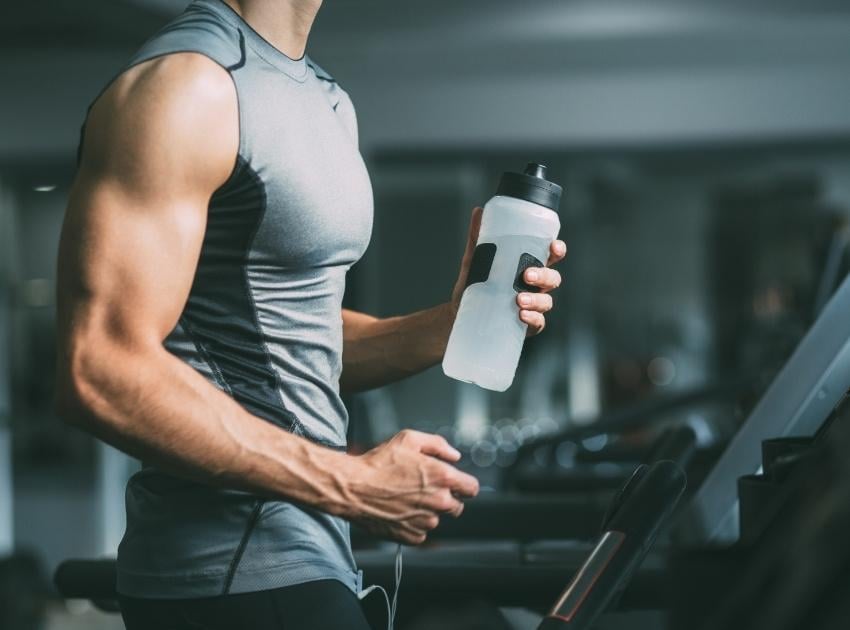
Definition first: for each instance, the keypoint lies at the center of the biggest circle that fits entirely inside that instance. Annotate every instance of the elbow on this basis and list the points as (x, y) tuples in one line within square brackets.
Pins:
[(77, 390), (71, 404)]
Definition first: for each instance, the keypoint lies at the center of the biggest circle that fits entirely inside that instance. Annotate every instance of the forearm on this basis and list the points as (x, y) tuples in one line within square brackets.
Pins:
[(379, 351), (158, 409)]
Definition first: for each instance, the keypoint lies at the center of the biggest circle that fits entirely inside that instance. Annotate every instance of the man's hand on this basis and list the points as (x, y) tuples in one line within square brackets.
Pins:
[(401, 488), (532, 305)]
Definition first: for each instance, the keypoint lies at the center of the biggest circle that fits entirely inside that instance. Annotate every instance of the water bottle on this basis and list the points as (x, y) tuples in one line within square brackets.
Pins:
[(517, 230)]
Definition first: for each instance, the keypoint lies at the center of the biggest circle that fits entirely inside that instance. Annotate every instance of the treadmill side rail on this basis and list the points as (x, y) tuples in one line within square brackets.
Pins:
[(809, 386), (587, 576)]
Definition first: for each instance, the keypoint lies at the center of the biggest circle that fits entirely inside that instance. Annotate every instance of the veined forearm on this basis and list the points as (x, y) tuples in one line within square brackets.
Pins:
[(379, 351), (156, 408)]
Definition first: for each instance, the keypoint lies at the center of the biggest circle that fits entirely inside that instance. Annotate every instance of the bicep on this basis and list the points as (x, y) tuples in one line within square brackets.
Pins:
[(155, 152), (126, 261)]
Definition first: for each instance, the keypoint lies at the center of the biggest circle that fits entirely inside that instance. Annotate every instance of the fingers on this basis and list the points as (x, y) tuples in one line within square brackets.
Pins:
[(543, 277), (430, 444), (437, 446), (413, 531), (532, 306), (411, 538), (536, 321), (557, 251), (540, 302), (459, 483), (444, 502), (425, 523), (406, 536), (429, 486)]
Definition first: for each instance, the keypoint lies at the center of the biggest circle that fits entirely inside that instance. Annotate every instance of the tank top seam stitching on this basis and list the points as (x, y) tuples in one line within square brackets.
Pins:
[(293, 418), (239, 552), (324, 76), (298, 79), (219, 377), (249, 290), (226, 14), (205, 356), (242, 55)]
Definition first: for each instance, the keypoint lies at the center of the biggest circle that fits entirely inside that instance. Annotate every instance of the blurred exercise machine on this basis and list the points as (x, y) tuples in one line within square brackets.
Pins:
[(790, 567), (544, 510), (801, 397)]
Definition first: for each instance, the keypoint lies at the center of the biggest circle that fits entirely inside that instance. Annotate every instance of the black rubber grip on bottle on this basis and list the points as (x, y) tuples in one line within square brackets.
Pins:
[(526, 261), (482, 262)]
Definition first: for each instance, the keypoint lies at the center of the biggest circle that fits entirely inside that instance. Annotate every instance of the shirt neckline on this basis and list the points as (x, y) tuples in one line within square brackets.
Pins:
[(295, 68)]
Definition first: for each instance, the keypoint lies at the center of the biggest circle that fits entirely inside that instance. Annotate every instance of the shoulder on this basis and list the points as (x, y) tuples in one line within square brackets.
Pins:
[(320, 72), (186, 85), (338, 97), (179, 109), (328, 83), (198, 30), (183, 77)]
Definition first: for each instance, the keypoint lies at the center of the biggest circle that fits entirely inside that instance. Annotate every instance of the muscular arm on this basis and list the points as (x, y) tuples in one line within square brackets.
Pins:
[(380, 351), (159, 142)]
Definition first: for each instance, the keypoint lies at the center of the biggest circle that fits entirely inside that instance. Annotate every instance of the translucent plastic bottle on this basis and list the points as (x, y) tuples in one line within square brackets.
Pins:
[(517, 229)]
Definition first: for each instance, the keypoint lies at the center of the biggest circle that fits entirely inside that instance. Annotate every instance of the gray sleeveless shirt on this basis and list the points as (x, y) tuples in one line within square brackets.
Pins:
[(263, 319)]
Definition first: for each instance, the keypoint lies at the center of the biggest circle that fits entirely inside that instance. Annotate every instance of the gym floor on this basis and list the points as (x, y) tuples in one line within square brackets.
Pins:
[(703, 148)]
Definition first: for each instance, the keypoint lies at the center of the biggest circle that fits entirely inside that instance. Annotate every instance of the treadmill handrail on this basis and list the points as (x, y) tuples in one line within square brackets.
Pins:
[(646, 505), (801, 397)]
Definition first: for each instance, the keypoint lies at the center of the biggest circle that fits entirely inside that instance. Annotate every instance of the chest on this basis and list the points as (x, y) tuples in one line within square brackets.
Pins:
[(318, 206)]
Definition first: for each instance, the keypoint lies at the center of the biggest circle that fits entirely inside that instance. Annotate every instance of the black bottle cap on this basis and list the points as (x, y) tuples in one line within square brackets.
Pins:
[(531, 185)]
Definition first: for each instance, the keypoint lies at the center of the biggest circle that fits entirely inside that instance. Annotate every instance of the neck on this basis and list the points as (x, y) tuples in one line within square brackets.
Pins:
[(285, 24)]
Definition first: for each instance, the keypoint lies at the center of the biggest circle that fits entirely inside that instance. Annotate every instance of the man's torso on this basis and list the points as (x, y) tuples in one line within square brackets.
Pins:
[(263, 319)]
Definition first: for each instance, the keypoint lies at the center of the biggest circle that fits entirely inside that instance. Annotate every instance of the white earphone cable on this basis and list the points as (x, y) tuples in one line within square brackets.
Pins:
[(392, 605)]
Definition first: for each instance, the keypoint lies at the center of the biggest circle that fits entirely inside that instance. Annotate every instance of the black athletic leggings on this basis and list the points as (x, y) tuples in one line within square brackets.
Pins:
[(320, 605)]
